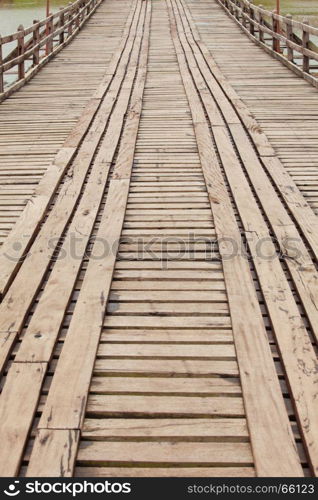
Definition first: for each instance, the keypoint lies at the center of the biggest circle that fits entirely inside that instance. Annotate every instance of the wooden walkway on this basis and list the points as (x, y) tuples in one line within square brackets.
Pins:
[(159, 311)]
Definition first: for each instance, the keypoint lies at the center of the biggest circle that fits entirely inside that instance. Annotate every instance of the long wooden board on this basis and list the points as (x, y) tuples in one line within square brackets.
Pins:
[(84, 332)]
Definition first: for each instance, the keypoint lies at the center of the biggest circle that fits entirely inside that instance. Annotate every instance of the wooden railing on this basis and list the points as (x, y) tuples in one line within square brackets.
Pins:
[(292, 42), (29, 49)]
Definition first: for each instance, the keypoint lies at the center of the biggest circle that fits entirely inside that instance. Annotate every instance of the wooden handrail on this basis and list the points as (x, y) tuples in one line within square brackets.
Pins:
[(37, 44), (40, 24), (284, 36)]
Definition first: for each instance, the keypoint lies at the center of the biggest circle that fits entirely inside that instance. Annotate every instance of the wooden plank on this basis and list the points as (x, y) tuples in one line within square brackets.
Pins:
[(165, 428), (164, 453), (153, 385), (17, 412), (164, 472), (166, 351), (211, 322), (96, 284), (160, 353), (163, 309), (167, 368), (198, 336), (273, 282), (168, 274), (168, 285), (297, 204), (275, 37), (159, 296), (178, 406), (57, 448)]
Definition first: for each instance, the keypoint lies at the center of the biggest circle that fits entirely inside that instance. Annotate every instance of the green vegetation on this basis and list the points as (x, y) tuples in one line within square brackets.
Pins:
[(298, 8), (27, 4), (15, 12)]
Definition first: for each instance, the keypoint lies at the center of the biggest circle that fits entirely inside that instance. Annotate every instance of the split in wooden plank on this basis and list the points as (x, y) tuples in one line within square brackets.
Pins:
[(57, 448)]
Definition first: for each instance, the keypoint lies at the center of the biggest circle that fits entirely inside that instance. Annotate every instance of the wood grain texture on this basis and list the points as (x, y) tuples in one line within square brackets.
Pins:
[(56, 447)]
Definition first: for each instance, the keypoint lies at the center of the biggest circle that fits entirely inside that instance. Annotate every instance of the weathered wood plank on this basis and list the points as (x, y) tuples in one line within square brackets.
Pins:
[(175, 428), (57, 448), (166, 453)]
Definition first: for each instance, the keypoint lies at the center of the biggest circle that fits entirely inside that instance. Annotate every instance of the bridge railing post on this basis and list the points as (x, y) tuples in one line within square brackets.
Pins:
[(88, 7), (252, 18), (1, 70), (275, 28), (243, 13), (20, 46), (237, 11), (61, 25), (77, 16), (305, 45), (70, 19), (232, 10), (289, 36), (35, 41), (260, 22), (49, 31)]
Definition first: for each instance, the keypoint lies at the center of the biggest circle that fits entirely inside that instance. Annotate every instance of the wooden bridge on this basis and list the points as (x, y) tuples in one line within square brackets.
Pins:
[(159, 230)]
